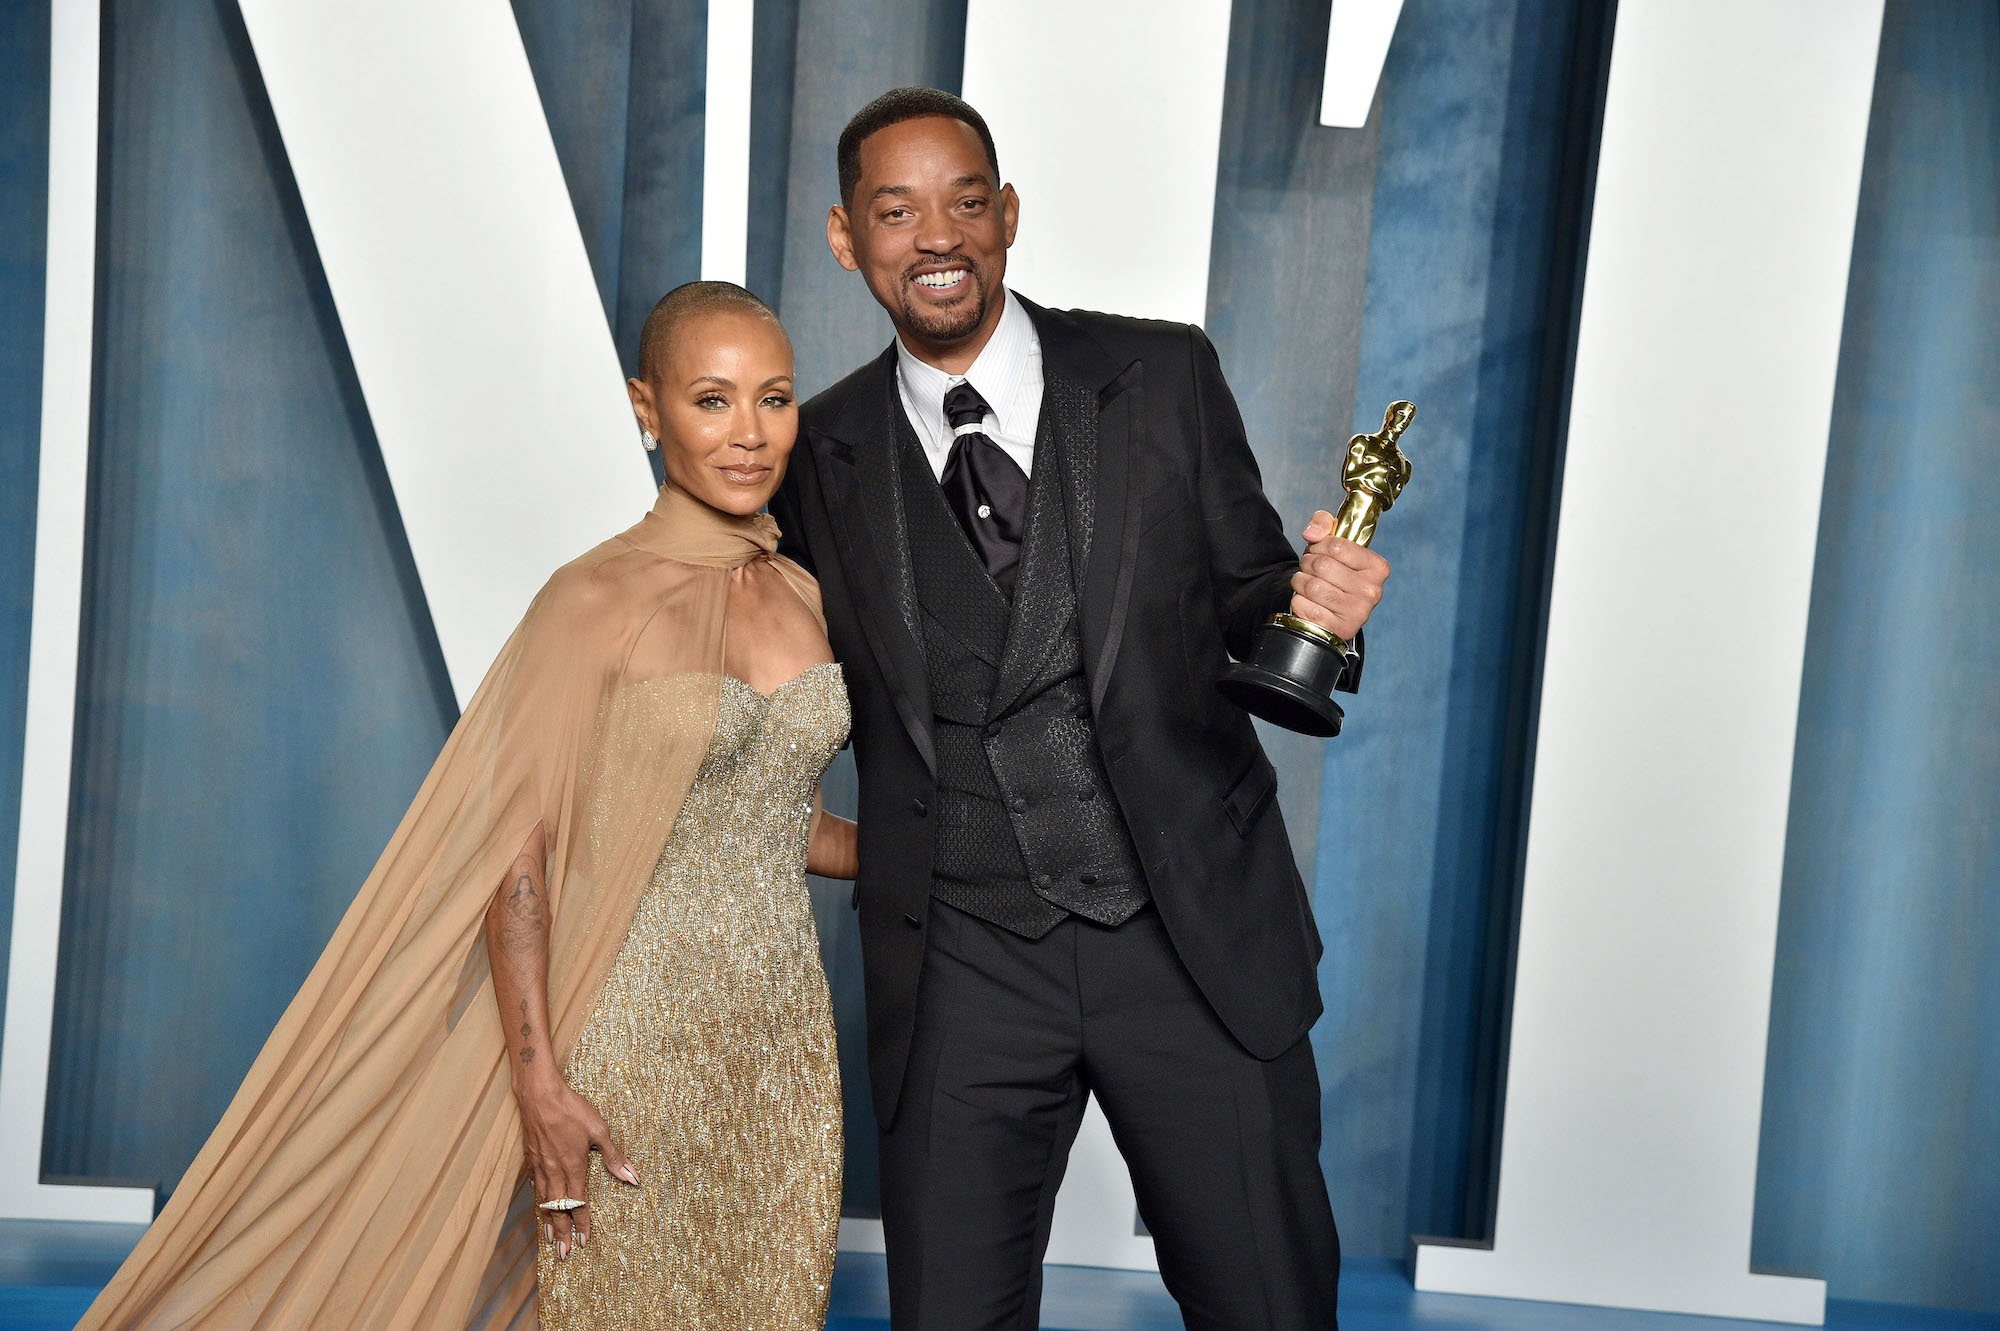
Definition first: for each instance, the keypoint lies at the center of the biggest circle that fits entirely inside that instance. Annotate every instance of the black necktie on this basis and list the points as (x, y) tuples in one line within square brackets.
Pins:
[(987, 490)]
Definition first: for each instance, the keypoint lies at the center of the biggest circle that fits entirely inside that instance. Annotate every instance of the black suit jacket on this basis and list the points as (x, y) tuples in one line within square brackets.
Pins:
[(1186, 558)]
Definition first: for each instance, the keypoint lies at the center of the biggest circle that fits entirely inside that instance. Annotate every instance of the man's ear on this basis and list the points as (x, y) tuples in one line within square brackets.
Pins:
[(840, 238), (641, 394), (1010, 212)]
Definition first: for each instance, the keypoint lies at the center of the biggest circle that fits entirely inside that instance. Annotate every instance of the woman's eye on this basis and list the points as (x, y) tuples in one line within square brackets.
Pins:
[(711, 402), (777, 402)]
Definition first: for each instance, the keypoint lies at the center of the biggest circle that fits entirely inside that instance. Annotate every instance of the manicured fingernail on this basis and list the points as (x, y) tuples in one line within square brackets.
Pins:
[(562, 1251), (548, 1233), (629, 1174), (582, 1237)]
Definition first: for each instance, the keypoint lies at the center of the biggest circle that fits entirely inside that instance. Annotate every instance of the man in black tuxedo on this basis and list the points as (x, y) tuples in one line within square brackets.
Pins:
[(1038, 535)]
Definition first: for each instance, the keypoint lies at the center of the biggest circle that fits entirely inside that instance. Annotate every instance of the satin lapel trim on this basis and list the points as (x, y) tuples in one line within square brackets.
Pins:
[(1105, 579), (1114, 539), (865, 502)]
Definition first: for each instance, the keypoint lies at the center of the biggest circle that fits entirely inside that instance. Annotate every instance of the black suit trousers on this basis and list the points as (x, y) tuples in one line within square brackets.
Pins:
[(1012, 1035)]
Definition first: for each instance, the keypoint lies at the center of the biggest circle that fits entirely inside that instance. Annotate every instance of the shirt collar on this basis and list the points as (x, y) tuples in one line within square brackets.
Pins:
[(997, 373)]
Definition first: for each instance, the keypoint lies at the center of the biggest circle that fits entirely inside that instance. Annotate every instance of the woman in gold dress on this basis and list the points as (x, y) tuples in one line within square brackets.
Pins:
[(707, 1075), (590, 935)]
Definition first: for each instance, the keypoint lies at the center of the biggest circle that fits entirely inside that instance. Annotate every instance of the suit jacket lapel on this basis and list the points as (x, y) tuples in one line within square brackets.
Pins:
[(856, 458), (1104, 509)]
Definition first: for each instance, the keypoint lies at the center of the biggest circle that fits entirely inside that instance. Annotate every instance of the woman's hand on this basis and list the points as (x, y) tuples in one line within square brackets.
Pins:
[(561, 1128)]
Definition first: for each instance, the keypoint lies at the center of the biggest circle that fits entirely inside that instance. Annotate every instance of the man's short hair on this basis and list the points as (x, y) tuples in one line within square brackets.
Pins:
[(684, 302), (893, 108)]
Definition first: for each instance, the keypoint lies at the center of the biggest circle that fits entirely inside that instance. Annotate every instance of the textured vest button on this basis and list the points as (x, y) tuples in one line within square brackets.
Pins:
[(992, 730), (1085, 796)]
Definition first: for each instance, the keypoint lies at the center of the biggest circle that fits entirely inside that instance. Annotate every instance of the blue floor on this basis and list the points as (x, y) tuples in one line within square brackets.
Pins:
[(49, 1273)]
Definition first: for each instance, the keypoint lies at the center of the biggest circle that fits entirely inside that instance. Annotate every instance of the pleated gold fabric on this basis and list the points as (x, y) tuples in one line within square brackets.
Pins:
[(711, 1053), (368, 1172)]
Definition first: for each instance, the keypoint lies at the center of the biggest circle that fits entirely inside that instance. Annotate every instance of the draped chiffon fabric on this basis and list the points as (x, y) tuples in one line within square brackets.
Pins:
[(369, 1171)]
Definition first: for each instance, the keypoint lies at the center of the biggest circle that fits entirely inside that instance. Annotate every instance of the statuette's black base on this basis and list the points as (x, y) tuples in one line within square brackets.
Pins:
[(1287, 681)]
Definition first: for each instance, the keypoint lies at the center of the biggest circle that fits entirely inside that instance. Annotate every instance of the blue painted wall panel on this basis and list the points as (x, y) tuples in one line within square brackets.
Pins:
[(1882, 1101), (624, 84), (24, 202)]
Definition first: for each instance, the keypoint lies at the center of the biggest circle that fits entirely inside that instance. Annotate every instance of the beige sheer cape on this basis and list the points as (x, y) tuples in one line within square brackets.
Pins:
[(369, 1171)]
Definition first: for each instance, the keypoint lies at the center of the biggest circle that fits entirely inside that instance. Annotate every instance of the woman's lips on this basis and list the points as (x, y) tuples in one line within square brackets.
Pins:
[(744, 475)]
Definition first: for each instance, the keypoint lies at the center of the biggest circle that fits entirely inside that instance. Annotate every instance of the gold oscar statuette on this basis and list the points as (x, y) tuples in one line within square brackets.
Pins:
[(1294, 663)]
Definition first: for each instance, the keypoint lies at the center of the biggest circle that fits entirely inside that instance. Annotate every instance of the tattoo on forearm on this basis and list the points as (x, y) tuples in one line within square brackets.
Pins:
[(524, 929), (523, 936), (519, 936)]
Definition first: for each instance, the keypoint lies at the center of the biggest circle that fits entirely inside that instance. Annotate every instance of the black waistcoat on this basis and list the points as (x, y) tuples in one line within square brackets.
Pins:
[(1028, 831)]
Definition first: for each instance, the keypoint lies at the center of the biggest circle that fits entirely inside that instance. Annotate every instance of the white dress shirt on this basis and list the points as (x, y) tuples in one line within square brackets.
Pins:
[(1007, 373)]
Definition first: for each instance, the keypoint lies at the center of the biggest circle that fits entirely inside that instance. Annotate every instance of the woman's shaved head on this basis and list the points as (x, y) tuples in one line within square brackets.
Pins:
[(689, 301)]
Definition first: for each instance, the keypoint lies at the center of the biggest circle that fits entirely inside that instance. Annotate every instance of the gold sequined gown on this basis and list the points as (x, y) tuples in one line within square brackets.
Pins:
[(710, 1052)]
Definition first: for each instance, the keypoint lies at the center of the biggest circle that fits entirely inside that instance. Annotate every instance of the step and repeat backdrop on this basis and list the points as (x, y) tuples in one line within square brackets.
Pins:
[(1657, 868)]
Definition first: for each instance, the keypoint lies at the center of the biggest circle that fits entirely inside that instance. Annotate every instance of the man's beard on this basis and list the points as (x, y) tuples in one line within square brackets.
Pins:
[(955, 324)]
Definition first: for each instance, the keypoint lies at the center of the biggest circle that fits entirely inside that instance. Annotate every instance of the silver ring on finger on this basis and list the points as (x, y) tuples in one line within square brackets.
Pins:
[(562, 1204)]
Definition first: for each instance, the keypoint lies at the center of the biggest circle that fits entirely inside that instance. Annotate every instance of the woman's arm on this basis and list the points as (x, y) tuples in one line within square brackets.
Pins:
[(834, 851), (517, 943), (559, 1126)]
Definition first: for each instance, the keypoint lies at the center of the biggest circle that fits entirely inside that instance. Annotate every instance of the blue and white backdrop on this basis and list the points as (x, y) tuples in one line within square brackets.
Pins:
[(1657, 869)]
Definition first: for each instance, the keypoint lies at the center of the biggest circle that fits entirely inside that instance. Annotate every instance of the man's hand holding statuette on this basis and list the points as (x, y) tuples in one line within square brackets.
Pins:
[(1339, 583)]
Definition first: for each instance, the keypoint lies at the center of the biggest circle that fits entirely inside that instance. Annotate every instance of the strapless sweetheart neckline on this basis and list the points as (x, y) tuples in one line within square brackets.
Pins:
[(799, 678)]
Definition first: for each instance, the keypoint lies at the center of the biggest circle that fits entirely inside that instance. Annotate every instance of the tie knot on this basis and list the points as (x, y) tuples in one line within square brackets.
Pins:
[(963, 406)]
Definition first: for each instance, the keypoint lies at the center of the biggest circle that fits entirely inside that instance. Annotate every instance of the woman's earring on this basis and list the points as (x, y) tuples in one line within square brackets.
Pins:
[(646, 438)]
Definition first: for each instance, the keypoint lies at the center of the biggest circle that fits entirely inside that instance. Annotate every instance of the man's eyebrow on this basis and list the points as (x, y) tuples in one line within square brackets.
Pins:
[(979, 178), (897, 191)]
